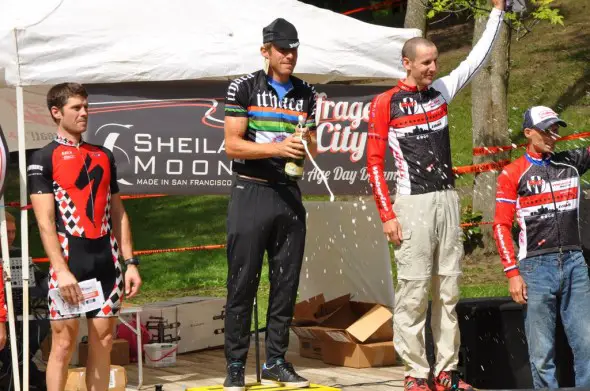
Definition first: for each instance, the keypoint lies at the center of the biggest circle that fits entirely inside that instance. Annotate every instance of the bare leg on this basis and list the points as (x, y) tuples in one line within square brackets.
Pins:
[(63, 338), (100, 343)]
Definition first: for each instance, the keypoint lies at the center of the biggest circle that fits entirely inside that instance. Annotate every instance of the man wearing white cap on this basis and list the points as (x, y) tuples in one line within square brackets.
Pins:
[(551, 275)]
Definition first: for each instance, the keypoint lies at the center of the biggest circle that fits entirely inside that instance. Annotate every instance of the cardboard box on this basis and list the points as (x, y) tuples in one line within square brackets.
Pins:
[(315, 310), (76, 380), (310, 348), (201, 323), (358, 323), (353, 355), (119, 353), (345, 332)]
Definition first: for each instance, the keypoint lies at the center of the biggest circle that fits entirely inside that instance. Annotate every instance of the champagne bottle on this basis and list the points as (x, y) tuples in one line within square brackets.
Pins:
[(294, 167)]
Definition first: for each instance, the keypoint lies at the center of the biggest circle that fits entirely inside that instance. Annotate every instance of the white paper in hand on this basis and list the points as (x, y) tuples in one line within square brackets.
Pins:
[(93, 298)]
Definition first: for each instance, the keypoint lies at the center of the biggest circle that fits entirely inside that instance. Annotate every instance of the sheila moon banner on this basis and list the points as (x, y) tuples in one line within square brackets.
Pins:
[(167, 137)]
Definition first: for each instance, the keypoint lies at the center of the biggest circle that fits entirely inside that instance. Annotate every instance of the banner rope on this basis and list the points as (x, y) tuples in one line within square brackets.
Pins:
[(483, 151), (465, 225), (372, 7), (159, 251), (460, 170), (17, 205)]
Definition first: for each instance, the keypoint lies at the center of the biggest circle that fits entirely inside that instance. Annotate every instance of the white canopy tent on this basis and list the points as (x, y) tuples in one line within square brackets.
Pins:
[(44, 42), (48, 41)]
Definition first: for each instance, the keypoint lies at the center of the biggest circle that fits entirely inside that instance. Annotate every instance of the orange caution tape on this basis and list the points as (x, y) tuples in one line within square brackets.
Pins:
[(136, 196), (482, 167), (372, 7), (17, 205), (482, 151), (180, 249), (476, 224), (159, 251), (575, 136)]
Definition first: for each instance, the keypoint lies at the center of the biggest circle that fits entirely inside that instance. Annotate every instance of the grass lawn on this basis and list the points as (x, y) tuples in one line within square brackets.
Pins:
[(171, 222), (549, 67)]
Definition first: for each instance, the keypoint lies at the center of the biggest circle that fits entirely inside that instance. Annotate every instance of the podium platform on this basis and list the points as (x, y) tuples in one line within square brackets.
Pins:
[(262, 387)]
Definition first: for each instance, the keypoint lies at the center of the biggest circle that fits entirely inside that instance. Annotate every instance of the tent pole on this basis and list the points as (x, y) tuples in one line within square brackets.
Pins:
[(24, 232), (8, 290)]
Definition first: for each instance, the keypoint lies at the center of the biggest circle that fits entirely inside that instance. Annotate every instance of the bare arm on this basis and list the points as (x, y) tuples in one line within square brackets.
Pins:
[(121, 226), (451, 84), (237, 147), (44, 207), (122, 232)]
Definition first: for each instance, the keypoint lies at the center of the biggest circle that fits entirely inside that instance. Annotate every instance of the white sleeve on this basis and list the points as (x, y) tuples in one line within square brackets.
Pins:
[(451, 84)]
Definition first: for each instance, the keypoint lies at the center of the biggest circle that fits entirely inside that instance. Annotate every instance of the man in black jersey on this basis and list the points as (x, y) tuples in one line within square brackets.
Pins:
[(265, 211)]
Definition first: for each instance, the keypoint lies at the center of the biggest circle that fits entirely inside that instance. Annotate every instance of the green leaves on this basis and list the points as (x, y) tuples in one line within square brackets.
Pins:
[(476, 7), (545, 12), (542, 10)]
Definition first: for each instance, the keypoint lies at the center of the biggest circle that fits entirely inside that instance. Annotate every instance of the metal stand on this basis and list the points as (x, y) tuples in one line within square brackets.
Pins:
[(161, 324), (257, 340)]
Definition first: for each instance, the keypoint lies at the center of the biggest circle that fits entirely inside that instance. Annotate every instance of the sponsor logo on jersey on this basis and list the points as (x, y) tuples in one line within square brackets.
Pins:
[(408, 105), (536, 184)]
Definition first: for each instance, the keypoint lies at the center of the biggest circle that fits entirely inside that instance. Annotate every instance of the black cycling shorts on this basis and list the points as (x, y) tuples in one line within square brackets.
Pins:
[(88, 259)]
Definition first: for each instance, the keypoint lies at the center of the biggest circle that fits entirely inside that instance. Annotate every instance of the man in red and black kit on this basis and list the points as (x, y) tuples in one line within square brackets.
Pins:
[(412, 120), (543, 189), (82, 222)]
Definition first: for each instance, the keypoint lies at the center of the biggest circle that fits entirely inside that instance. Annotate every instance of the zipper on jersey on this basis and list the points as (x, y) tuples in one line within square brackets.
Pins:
[(425, 113), (432, 146), (554, 212)]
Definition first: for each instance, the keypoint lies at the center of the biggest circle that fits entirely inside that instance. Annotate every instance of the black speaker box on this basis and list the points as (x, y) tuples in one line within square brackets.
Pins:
[(494, 351)]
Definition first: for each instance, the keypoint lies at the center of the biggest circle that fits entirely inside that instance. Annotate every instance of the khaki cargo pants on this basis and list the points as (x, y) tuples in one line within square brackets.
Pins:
[(429, 257)]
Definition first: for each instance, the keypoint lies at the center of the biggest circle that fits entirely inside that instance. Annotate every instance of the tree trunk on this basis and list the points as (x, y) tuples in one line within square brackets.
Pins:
[(416, 16), (490, 125)]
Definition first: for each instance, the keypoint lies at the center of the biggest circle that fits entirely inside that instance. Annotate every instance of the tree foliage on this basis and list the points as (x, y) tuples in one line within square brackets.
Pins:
[(522, 22)]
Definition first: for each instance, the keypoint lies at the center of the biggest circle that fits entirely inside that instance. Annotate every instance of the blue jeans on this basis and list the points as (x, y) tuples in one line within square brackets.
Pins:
[(557, 283)]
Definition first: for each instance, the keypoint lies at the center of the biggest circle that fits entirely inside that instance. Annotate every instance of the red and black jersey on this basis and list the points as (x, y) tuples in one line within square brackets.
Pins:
[(82, 178), (414, 124), (544, 194)]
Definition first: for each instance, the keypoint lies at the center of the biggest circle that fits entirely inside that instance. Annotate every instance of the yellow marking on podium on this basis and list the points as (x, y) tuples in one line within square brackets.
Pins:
[(264, 387)]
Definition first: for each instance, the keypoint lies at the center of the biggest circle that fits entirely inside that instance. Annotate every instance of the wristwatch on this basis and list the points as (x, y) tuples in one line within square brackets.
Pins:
[(132, 261)]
